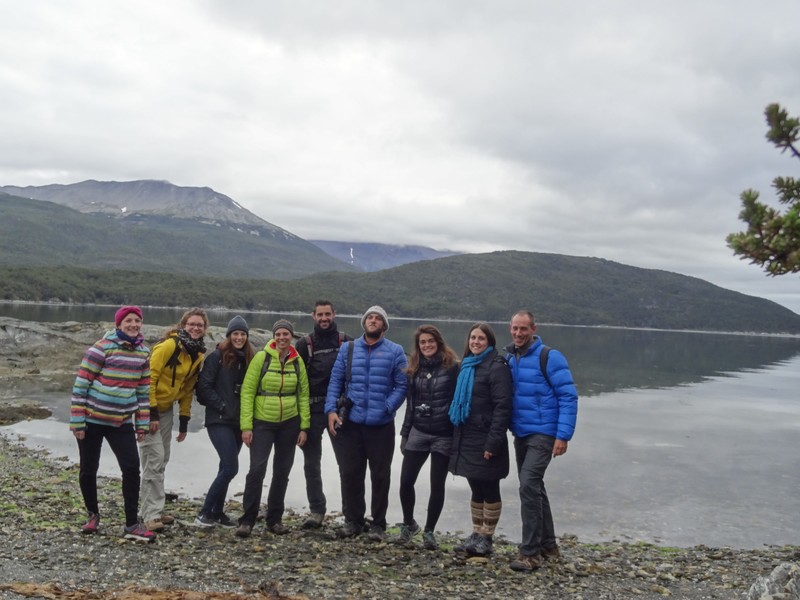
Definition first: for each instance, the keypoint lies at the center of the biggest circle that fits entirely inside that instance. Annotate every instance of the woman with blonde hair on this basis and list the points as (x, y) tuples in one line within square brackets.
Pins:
[(174, 366)]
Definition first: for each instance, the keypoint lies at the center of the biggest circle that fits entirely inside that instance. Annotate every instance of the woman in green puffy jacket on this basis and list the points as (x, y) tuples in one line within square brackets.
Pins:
[(274, 412)]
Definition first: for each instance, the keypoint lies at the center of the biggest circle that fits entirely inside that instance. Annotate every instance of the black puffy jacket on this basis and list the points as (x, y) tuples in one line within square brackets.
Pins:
[(486, 427), (430, 393), (218, 390)]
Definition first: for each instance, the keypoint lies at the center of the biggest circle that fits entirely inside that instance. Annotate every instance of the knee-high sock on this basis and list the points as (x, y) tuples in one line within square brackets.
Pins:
[(491, 516), (476, 508)]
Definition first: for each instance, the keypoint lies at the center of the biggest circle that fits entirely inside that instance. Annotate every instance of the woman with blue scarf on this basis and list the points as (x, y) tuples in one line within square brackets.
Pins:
[(481, 413)]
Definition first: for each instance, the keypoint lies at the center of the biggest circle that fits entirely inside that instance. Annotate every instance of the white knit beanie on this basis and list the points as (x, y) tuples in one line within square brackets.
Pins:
[(376, 310)]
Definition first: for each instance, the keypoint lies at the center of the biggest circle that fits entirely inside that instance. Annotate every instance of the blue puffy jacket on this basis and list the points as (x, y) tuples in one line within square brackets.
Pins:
[(538, 407), (377, 382)]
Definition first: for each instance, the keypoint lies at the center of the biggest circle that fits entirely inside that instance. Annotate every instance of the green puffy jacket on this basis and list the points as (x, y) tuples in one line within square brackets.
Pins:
[(279, 396)]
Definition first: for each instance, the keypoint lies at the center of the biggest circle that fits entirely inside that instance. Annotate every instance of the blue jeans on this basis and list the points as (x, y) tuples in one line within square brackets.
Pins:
[(227, 441), (533, 455)]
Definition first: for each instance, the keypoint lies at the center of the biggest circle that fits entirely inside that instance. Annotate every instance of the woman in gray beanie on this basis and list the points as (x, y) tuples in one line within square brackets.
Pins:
[(275, 414), (218, 390)]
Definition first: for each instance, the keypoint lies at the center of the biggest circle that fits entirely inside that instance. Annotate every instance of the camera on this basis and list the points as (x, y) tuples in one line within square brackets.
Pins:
[(422, 410), (343, 406)]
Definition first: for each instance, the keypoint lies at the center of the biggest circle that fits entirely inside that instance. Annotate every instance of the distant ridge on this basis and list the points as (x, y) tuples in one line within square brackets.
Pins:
[(148, 197), (39, 233), (376, 257)]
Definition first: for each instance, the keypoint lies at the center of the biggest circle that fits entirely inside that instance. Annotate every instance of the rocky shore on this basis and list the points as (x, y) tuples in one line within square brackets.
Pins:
[(43, 555)]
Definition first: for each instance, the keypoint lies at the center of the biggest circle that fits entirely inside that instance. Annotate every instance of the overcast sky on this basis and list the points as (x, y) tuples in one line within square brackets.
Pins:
[(620, 129)]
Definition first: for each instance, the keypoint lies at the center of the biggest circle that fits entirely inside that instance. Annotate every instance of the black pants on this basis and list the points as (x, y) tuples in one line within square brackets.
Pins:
[(266, 435), (412, 464), (357, 446), (484, 490), (312, 459), (122, 441)]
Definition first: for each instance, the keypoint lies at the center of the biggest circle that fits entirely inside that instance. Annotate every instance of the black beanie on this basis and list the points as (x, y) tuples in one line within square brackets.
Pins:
[(237, 323)]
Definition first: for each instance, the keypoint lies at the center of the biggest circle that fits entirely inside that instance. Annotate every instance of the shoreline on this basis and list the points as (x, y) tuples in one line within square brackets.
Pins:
[(420, 319), (42, 544)]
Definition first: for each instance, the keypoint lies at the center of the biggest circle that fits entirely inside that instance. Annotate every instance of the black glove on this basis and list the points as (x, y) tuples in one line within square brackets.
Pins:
[(403, 441)]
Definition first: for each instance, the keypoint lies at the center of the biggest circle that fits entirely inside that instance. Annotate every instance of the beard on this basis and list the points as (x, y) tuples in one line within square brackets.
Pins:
[(373, 335)]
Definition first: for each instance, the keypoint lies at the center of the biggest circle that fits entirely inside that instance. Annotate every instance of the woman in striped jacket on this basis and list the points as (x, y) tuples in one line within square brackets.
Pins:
[(111, 401)]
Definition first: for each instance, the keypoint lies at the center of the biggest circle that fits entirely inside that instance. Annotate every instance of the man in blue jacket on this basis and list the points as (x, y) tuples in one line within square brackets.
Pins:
[(543, 417), (374, 389)]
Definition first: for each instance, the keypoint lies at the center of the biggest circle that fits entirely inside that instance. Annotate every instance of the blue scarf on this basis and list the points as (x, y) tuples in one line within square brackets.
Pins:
[(462, 399)]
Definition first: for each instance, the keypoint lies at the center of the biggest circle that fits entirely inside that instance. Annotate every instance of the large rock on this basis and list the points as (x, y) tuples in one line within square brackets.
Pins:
[(783, 583)]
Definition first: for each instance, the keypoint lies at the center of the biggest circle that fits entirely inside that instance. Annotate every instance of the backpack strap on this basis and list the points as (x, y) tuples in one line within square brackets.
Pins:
[(173, 360), (349, 370), (310, 346), (265, 368), (543, 363)]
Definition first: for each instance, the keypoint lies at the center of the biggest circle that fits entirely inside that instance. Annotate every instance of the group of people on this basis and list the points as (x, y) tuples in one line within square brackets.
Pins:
[(458, 413)]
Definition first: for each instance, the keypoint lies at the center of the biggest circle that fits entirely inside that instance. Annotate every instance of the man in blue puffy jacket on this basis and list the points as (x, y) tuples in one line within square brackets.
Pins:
[(366, 437), (543, 418)]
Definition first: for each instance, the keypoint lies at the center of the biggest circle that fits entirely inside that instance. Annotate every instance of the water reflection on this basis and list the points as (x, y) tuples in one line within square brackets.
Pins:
[(602, 360)]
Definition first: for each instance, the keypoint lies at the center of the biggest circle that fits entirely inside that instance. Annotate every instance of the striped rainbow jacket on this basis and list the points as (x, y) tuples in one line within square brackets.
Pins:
[(113, 385)]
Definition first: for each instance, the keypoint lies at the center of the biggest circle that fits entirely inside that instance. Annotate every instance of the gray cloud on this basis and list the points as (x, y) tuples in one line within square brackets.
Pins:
[(624, 130)]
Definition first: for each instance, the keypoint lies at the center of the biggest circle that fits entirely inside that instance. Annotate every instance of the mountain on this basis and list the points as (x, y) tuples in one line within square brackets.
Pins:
[(148, 197), (36, 233), (376, 257), (128, 231), (558, 289)]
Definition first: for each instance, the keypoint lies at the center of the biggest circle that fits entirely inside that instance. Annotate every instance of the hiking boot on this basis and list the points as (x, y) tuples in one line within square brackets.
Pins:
[(154, 525), (468, 544), (167, 519), (138, 533), (92, 524), (349, 529), (170, 497), (376, 534), (407, 532), (551, 553), (225, 521), (244, 530), (526, 563), (204, 520), (481, 547), (429, 541), (278, 528), (314, 521)]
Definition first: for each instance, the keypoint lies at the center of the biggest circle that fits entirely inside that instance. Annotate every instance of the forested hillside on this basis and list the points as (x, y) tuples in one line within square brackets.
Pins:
[(559, 289), (40, 233)]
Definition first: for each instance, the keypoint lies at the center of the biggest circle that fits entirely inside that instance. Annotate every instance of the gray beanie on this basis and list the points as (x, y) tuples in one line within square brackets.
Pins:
[(376, 310), (282, 324), (237, 323)]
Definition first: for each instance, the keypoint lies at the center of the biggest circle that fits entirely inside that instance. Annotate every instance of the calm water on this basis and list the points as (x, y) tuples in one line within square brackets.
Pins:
[(682, 438)]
